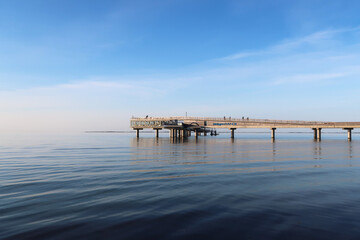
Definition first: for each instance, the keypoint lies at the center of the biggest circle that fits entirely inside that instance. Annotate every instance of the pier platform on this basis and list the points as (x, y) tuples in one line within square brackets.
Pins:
[(185, 126)]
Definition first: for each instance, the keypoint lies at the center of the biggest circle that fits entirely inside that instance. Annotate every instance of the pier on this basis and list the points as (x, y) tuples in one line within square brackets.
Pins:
[(180, 127)]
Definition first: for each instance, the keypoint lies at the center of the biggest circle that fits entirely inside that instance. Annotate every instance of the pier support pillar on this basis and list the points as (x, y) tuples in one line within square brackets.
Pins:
[(181, 133), (273, 133), (348, 132), (205, 132), (173, 133), (137, 131), (157, 132), (232, 132), (315, 133), (318, 130), (197, 133)]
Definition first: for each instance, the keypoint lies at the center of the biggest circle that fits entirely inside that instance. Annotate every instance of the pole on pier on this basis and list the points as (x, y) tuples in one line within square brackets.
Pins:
[(205, 132), (232, 132), (315, 133), (348, 133), (318, 134)]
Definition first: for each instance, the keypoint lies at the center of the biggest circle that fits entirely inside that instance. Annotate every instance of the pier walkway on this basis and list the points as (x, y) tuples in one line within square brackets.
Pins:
[(185, 126)]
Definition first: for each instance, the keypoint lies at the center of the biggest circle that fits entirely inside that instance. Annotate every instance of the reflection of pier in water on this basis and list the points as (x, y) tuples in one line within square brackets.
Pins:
[(216, 156), (183, 127)]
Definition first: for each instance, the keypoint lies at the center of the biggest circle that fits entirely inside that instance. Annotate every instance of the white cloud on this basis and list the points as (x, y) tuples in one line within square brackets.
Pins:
[(308, 78), (292, 44), (242, 55)]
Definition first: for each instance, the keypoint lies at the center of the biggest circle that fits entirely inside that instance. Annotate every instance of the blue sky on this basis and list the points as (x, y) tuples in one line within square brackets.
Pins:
[(91, 65)]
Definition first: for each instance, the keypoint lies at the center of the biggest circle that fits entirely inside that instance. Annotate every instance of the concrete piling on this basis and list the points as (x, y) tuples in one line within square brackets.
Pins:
[(348, 132), (318, 133), (315, 133), (232, 132), (157, 132), (273, 133)]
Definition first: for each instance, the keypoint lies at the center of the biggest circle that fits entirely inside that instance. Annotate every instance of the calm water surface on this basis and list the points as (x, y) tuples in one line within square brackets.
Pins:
[(114, 186)]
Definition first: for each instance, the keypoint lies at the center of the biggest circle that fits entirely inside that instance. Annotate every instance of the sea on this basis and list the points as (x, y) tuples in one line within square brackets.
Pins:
[(115, 186)]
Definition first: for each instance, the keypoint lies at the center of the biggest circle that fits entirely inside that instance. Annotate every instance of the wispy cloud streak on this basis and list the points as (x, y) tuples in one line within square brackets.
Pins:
[(309, 78), (292, 44)]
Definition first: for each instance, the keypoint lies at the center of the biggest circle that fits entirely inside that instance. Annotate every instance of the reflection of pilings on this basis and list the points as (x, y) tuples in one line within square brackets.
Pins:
[(317, 150), (350, 153), (274, 151)]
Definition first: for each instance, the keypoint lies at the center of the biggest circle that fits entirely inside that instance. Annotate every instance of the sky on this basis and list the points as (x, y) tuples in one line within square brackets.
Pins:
[(73, 66)]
